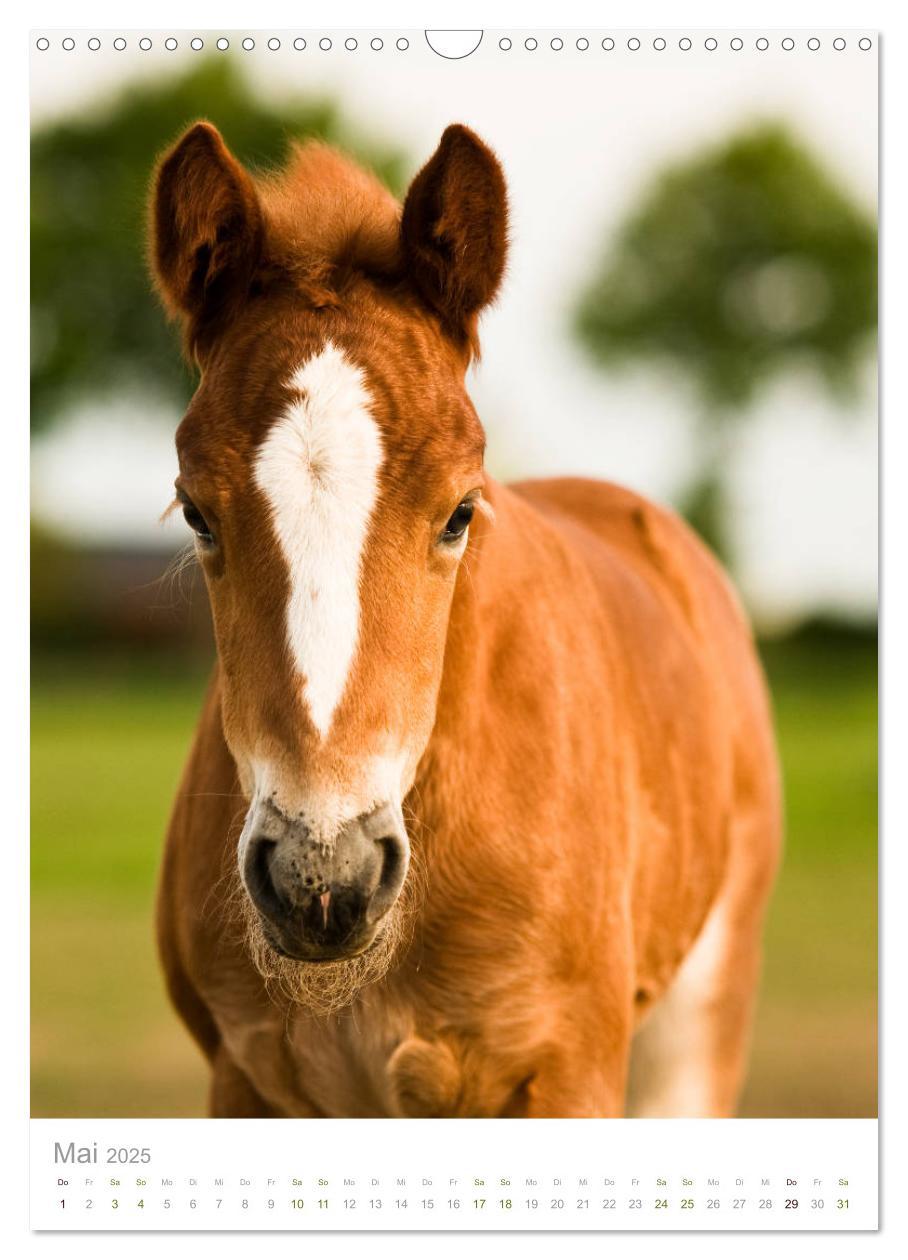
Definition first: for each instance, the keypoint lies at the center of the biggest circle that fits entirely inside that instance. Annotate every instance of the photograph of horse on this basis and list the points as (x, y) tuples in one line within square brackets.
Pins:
[(483, 810)]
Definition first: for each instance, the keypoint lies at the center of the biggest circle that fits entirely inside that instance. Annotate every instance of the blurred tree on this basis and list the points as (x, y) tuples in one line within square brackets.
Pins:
[(95, 322), (736, 265)]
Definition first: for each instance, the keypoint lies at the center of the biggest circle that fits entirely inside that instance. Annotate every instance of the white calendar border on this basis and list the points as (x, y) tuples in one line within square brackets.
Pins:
[(894, 817)]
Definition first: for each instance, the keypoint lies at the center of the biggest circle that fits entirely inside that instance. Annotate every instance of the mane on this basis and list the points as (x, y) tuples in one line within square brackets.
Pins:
[(325, 214)]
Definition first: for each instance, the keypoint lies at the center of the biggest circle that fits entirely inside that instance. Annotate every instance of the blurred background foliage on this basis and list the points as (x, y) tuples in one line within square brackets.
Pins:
[(95, 321), (738, 264), (734, 266)]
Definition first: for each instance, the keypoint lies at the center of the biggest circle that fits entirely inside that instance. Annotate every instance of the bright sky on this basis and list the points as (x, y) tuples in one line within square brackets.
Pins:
[(580, 134)]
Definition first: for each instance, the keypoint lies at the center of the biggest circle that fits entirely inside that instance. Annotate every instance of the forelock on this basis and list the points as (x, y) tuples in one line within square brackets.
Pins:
[(323, 212)]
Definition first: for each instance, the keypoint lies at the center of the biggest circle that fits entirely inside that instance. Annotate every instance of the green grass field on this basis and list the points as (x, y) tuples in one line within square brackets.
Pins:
[(107, 749)]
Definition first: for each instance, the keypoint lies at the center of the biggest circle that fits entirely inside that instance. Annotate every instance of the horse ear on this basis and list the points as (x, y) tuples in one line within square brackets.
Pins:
[(206, 230), (454, 229)]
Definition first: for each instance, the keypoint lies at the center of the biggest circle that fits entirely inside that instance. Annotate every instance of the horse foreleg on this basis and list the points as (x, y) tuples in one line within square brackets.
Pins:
[(690, 1056), (586, 1077), (232, 1095)]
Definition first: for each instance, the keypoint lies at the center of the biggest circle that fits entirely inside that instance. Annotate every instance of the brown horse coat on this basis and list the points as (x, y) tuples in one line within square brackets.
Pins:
[(593, 812)]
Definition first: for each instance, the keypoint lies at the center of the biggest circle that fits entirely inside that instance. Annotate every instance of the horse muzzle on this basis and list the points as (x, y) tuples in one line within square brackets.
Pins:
[(319, 902)]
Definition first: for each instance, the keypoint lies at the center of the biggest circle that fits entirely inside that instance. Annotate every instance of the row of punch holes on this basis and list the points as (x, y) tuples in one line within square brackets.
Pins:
[(171, 44), (351, 44)]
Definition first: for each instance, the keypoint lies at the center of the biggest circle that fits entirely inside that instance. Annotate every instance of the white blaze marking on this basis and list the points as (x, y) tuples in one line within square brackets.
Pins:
[(318, 467)]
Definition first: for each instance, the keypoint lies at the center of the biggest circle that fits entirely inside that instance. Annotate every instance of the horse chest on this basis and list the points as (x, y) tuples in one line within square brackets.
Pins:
[(335, 1066), (367, 1062), (341, 1064)]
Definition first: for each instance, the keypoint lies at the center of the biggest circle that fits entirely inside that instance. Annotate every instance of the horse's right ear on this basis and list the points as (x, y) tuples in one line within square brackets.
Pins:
[(206, 231)]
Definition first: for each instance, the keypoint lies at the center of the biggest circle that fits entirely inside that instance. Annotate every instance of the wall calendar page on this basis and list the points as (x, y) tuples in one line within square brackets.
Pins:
[(454, 461)]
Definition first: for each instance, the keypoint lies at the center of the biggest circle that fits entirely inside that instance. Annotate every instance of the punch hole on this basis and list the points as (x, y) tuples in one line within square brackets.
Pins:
[(94, 43), (685, 44), (69, 44), (119, 43), (324, 44), (377, 44), (583, 44), (865, 44), (557, 44), (608, 43), (223, 44), (530, 44), (197, 44), (659, 44), (351, 45), (737, 44), (248, 44), (633, 43), (170, 44), (788, 44), (274, 44), (504, 44), (838, 44), (403, 44), (813, 44), (452, 45), (145, 44), (299, 43), (42, 44), (711, 44), (762, 44)]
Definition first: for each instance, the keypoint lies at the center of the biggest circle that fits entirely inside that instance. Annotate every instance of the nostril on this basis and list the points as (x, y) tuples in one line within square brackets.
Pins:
[(393, 860), (259, 878), (395, 855)]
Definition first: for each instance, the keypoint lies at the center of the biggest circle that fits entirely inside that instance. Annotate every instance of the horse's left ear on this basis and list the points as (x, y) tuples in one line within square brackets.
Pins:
[(454, 229)]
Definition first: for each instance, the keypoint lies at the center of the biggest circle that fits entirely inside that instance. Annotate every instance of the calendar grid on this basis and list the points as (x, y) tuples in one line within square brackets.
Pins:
[(474, 1175)]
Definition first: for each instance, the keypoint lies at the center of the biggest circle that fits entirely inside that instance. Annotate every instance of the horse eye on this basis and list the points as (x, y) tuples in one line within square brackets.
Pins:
[(197, 523), (458, 522)]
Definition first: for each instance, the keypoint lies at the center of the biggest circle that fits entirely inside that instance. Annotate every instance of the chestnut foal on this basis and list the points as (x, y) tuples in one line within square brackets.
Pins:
[(483, 809)]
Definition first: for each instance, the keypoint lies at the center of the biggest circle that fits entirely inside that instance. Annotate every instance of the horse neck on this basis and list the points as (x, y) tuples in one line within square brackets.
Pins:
[(494, 612), (518, 553)]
